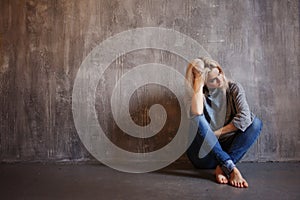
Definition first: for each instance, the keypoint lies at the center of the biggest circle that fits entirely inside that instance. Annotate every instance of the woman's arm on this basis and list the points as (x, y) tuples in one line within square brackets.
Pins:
[(242, 118), (226, 129), (197, 99)]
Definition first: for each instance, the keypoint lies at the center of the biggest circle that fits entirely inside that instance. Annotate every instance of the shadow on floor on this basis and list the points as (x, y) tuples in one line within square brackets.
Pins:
[(187, 170)]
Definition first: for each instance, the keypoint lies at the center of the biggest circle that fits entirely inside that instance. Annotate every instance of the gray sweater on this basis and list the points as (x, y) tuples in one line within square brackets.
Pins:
[(222, 107)]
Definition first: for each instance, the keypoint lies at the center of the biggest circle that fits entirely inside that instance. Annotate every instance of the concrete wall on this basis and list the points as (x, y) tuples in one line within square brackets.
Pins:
[(43, 43)]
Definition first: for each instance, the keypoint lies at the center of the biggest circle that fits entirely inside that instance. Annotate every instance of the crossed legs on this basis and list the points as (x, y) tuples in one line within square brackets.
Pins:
[(206, 152)]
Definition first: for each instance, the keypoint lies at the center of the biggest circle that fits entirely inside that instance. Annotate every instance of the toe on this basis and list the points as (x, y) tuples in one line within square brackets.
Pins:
[(223, 180), (233, 183)]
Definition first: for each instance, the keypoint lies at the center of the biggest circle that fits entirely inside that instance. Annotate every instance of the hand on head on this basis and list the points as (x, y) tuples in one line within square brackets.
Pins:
[(197, 77), (196, 73)]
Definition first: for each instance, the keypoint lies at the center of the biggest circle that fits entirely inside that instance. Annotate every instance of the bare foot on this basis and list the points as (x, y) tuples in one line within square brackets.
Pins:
[(221, 178), (237, 180)]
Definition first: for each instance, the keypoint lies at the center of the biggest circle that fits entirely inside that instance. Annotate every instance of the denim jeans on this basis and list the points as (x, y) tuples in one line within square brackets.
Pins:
[(212, 151)]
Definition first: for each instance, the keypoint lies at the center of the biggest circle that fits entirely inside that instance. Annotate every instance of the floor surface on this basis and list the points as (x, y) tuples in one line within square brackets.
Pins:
[(95, 181)]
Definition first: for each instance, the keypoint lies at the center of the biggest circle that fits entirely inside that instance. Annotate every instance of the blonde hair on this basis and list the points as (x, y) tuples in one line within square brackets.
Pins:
[(203, 65)]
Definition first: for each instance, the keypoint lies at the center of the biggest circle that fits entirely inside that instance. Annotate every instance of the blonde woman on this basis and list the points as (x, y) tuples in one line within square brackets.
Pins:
[(226, 127)]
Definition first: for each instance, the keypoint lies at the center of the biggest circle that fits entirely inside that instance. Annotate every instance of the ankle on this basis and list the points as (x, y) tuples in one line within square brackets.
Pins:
[(228, 167)]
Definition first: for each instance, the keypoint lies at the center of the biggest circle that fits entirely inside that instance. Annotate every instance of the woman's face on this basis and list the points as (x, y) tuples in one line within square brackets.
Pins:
[(215, 79)]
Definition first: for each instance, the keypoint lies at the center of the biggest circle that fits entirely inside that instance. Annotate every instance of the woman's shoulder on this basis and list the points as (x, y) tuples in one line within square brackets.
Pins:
[(235, 87)]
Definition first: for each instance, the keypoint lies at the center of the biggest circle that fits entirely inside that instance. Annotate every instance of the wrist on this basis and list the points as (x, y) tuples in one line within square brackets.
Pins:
[(198, 81), (218, 133), (198, 88)]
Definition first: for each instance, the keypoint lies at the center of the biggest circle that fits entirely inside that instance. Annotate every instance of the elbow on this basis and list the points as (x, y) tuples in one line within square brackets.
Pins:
[(241, 123), (197, 112)]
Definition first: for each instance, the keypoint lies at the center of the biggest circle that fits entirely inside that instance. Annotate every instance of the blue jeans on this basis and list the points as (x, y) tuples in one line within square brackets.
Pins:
[(219, 153)]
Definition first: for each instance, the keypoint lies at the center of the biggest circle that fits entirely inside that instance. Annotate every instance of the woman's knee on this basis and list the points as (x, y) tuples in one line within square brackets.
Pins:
[(257, 123), (198, 119)]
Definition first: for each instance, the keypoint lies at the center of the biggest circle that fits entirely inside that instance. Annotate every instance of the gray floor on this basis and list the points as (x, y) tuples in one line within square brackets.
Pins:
[(178, 181)]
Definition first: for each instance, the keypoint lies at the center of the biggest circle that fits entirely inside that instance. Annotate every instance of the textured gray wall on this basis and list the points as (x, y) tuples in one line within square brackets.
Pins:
[(42, 44)]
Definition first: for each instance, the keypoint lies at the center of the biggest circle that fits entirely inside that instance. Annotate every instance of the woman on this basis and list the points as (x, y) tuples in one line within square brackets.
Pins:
[(226, 128)]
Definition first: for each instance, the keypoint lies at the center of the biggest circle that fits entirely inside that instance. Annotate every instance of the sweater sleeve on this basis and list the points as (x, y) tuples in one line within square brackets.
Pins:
[(242, 119)]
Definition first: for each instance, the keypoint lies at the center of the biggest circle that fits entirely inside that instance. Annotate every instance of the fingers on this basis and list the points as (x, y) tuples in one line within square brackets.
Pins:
[(196, 73)]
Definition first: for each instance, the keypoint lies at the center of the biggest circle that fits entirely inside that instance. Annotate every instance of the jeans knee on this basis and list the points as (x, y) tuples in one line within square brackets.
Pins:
[(257, 125)]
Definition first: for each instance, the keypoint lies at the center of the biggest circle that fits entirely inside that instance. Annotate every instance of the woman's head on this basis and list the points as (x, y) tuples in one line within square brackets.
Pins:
[(210, 71)]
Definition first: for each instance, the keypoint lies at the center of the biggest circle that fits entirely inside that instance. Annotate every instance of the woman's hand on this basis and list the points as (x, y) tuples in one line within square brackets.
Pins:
[(218, 133), (196, 73), (198, 80), (226, 129)]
